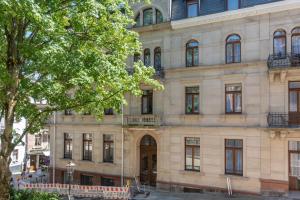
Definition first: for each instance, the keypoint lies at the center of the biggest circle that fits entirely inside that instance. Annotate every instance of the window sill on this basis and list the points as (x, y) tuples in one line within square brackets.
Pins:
[(191, 172), (237, 177), (107, 163), (191, 116), (233, 116)]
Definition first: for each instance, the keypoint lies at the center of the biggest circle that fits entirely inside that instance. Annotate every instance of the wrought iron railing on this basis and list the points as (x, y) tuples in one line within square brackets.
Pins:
[(282, 120), (283, 60), (159, 72), (142, 120)]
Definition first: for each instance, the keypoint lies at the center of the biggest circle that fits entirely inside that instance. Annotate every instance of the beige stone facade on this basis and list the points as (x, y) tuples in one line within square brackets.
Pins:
[(265, 150)]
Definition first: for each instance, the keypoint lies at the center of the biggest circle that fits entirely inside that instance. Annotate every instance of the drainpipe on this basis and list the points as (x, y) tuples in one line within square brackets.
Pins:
[(122, 131), (53, 146)]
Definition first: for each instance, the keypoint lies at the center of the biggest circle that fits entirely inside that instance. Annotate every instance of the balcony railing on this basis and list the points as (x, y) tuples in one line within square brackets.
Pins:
[(142, 120), (159, 72), (284, 120), (283, 60)]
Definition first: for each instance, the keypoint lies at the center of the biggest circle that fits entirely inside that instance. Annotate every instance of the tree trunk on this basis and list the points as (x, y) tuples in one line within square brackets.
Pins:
[(5, 175)]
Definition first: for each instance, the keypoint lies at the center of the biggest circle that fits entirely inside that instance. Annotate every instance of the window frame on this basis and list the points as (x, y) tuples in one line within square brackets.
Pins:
[(148, 53), (293, 35), (15, 155), (157, 50), (234, 92), (85, 175), (108, 111), (193, 154), (38, 139), (239, 6), (234, 149), (68, 141), (151, 16), (111, 144), (233, 43), (193, 53), (193, 97), (102, 178), (89, 142), (156, 13), (278, 37), (192, 2), (149, 97)]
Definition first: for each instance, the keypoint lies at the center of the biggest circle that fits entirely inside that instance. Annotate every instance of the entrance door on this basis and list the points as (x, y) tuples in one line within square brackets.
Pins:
[(294, 103), (148, 160), (294, 165), (32, 162)]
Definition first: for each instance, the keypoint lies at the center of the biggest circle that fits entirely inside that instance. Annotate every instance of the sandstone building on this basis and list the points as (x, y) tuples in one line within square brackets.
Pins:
[(230, 108)]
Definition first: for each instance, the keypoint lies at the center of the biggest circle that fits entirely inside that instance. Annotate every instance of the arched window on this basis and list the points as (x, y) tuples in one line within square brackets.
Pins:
[(137, 20), (157, 58), (192, 53), (148, 17), (136, 57), (233, 49), (147, 57), (296, 42), (159, 16), (279, 43)]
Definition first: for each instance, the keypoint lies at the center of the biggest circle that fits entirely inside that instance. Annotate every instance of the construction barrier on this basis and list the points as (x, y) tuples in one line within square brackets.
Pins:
[(105, 192)]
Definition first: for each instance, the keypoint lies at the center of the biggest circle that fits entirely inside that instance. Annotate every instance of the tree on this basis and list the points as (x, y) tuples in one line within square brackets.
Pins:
[(70, 53)]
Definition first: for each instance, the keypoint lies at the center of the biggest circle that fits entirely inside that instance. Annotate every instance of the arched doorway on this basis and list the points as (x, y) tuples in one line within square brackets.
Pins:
[(148, 160)]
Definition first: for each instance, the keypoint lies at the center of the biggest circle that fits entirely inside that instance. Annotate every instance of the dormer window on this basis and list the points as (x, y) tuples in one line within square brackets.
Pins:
[(192, 8), (233, 4), (148, 17)]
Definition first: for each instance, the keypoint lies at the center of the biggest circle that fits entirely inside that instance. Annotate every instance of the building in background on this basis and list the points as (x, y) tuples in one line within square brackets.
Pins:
[(230, 108), (38, 150), (17, 156)]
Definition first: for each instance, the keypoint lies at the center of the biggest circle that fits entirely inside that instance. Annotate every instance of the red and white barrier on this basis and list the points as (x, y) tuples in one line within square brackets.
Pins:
[(82, 191)]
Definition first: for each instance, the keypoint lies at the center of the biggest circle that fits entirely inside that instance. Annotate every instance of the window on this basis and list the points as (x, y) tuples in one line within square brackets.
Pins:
[(148, 17), (233, 98), (68, 112), (159, 16), (157, 58), (66, 177), (147, 57), (68, 145), (87, 146), (192, 8), (192, 154), (192, 53), (107, 182), (147, 102), (296, 42), (233, 49), (137, 21), (233, 4), (192, 100), (108, 148), (86, 180), (136, 57), (234, 157), (38, 140), (279, 44), (108, 111), (15, 155)]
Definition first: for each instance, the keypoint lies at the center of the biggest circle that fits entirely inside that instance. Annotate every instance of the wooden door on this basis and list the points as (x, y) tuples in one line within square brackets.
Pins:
[(294, 103), (294, 165), (148, 161)]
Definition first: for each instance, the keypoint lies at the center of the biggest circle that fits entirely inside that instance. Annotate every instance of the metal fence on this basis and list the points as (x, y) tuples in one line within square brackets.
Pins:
[(283, 60)]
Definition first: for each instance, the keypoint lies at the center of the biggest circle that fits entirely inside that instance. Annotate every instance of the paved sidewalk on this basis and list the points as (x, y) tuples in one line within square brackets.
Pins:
[(161, 195)]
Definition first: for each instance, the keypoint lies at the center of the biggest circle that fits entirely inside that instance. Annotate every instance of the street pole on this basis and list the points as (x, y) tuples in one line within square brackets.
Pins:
[(122, 172)]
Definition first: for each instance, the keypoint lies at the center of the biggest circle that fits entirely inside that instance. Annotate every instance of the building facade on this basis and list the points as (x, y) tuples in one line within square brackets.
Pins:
[(230, 107)]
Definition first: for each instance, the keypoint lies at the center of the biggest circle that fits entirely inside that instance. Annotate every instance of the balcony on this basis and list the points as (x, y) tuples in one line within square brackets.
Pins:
[(284, 120), (159, 72), (283, 61), (142, 120)]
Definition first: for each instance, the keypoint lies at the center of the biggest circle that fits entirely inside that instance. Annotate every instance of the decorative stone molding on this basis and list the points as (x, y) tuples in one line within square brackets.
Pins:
[(279, 133)]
